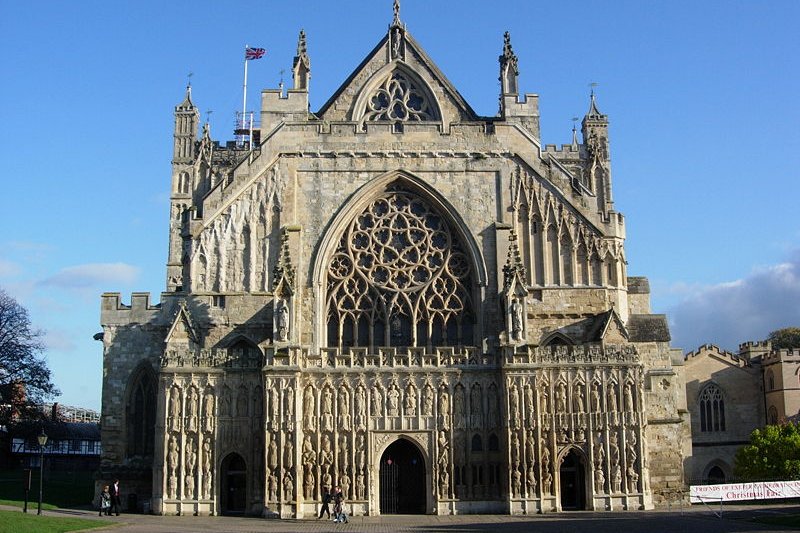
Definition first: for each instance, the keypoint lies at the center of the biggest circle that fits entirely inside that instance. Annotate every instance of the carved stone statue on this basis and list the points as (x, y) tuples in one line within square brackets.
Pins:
[(628, 397), (361, 408), (561, 398), (459, 412), (444, 450), (309, 485), (633, 479), (595, 395), (172, 455), (344, 410), (344, 453), (427, 401), (543, 401), (288, 487), (272, 454), (327, 409), (272, 483), (309, 457), (377, 402), (288, 452), (308, 409), (344, 483), (612, 398), (516, 320), (326, 454), (282, 320), (360, 486), (208, 412), (616, 476), (207, 461), (393, 401), (599, 480), (175, 409), (515, 458), (516, 483), (444, 483), (241, 402), (360, 452), (475, 406), (577, 399), (444, 409), (410, 401)]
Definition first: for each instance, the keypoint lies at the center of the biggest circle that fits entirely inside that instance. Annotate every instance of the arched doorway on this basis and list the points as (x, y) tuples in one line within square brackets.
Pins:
[(233, 474), (716, 475), (402, 479), (573, 482)]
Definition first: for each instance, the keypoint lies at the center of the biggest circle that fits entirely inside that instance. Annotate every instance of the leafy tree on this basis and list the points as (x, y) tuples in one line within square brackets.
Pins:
[(773, 454), (785, 338), (24, 375)]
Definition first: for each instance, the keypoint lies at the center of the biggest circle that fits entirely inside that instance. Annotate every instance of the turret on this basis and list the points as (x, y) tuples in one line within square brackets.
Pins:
[(594, 128), (524, 111), (187, 118)]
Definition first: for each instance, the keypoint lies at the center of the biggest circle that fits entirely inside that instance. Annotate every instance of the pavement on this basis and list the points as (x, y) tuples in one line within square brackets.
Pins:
[(735, 519)]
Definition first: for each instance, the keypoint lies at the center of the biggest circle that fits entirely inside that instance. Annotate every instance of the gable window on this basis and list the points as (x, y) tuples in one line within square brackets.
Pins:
[(712, 409), (399, 100)]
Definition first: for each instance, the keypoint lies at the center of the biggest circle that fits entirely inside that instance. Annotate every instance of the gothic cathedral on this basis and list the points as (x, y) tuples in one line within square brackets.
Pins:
[(426, 307)]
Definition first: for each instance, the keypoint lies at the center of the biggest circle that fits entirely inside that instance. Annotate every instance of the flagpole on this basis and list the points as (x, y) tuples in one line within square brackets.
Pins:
[(244, 91)]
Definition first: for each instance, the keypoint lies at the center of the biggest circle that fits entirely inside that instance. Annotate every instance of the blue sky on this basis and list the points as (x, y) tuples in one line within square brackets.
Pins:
[(702, 99)]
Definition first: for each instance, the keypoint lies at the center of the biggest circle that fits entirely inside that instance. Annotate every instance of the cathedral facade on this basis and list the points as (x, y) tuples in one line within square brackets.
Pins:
[(426, 307)]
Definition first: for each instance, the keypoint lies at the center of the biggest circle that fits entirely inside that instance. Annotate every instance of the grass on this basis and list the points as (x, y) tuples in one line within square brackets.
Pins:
[(61, 489), (32, 504), (792, 520), (16, 522)]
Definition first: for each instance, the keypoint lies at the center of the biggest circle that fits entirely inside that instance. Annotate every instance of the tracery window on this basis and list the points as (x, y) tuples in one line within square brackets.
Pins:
[(399, 277), (141, 414), (398, 100), (712, 409)]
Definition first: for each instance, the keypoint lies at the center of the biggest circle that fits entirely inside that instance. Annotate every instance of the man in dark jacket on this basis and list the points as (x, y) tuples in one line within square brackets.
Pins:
[(116, 503), (326, 499)]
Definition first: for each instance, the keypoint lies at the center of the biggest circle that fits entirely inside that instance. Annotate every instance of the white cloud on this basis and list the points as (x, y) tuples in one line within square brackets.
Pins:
[(742, 310), (92, 275), (8, 268), (60, 341)]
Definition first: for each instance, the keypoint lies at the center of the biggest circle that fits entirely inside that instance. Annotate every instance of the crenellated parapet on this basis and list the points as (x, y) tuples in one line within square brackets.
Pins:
[(712, 349)]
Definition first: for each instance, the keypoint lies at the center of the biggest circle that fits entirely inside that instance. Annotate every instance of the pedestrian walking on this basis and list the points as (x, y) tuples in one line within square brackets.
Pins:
[(105, 502), (326, 499), (339, 516), (116, 503)]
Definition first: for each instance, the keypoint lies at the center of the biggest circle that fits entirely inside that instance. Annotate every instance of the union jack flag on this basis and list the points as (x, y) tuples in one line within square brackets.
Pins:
[(254, 53)]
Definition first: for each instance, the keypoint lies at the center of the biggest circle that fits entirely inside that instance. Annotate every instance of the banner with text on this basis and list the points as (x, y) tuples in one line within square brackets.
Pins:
[(763, 490)]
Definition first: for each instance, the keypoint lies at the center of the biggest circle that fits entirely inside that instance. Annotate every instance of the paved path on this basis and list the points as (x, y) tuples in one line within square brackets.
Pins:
[(736, 519)]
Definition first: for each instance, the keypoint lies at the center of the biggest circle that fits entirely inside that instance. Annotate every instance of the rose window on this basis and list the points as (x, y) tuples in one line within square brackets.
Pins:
[(397, 100), (400, 277)]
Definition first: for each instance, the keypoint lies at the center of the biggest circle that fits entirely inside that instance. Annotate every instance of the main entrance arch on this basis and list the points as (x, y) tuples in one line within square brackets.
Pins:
[(233, 493), (572, 477), (402, 479)]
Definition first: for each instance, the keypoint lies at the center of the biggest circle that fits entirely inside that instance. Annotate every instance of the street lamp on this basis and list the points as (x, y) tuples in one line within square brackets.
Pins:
[(42, 438)]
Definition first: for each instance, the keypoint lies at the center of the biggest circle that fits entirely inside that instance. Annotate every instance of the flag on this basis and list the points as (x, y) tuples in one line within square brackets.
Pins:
[(254, 53)]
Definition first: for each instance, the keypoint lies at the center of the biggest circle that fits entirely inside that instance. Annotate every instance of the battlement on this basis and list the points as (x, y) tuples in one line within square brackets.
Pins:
[(713, 349), (767, 345), (781, 356), (564, 149), (114, 312), (526, 105)]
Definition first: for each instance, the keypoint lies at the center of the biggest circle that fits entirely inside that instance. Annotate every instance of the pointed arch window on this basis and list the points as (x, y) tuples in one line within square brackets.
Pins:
[(712, 409), (141, 414), (399, 277)]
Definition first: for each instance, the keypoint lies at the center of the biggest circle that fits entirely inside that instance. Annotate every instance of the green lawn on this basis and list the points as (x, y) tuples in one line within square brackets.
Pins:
[(61, 489), (17, 522)]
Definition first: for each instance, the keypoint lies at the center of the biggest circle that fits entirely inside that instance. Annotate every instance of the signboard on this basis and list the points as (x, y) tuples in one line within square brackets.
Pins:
[(763, 490)]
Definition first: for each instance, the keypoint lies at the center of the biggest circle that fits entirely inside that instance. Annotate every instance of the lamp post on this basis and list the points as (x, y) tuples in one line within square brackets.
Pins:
[(42, 438)]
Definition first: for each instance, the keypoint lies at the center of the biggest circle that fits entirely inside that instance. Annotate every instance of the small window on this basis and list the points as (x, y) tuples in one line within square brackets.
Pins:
[(218, 300), (712, 409), (477, 443), (772, 415), (494, 443), (770, 381)]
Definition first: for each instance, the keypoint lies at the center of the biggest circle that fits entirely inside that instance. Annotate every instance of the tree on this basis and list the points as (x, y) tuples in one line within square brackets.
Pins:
[(783, 339), (24, 375), (772, 455)]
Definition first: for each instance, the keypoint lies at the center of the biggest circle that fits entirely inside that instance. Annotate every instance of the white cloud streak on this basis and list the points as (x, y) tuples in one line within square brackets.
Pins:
[(93, 275), (742, 310)]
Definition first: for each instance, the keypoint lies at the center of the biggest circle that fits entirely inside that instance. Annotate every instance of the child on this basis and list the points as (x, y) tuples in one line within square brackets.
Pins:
[(105, 502)]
